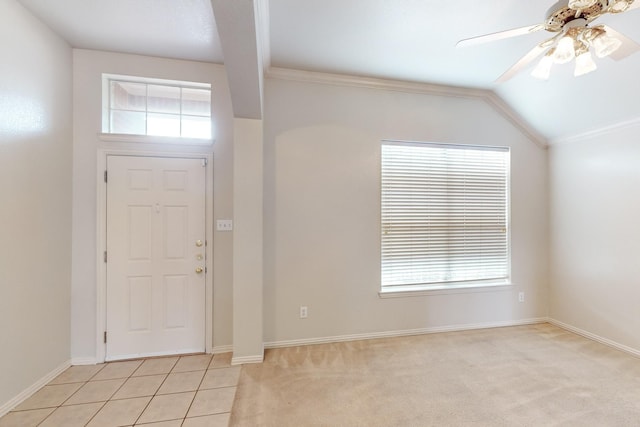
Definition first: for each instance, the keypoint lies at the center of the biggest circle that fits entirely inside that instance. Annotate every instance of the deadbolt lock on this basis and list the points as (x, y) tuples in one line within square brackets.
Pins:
[(198, 243)]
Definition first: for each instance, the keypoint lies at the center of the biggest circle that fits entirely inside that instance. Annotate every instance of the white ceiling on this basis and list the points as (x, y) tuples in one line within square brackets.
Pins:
[(181, 29), (411, 40)]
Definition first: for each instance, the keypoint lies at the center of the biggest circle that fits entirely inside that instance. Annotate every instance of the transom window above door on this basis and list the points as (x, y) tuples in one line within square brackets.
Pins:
[(152, 107)]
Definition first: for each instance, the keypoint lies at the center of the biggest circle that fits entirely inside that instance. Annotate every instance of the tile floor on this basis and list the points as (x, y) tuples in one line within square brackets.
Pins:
[(188, 391)]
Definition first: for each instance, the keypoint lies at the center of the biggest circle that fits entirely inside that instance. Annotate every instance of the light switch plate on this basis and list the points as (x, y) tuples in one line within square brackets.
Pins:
[(224, 225)]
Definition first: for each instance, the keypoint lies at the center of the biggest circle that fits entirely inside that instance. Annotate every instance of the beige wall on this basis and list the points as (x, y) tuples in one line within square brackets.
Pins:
[(321, 210), (595, 235), (35, 212), (88, 68), (322, 203), (247, 241)]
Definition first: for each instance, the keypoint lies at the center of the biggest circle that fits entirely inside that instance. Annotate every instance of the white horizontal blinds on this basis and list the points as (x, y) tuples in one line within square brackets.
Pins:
[(444, 214)]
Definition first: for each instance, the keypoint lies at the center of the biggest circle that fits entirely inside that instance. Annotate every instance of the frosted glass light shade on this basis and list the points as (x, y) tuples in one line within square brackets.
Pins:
[(584, 64), (543, 69), (565, 51), (605, 45), (619, 6)]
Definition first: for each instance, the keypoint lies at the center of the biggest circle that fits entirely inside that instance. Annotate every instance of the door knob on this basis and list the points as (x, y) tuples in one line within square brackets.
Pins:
[(199, 270)]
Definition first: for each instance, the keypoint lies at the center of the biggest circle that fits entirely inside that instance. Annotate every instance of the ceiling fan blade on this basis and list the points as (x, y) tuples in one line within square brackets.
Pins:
[(634, 5), (628, 46), (501, 35), (523, 62)]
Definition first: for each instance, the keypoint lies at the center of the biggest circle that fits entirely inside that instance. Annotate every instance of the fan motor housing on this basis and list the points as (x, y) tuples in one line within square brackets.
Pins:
[(560, 15)]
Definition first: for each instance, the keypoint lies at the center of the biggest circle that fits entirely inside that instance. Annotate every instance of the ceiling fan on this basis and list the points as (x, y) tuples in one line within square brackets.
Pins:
[(575, 38)]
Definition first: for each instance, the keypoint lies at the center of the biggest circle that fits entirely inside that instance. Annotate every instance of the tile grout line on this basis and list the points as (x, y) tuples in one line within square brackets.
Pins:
[(156, 392), (197, 390), (113, 394), (199, 385), (73, 394), (91, 380), (159, 387)]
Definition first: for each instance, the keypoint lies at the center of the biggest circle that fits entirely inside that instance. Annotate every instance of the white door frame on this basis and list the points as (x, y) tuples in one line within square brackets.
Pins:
[(101, 238)]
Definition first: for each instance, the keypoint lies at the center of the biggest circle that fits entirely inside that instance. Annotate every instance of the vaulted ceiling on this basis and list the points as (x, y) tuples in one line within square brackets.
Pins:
[(409, 40)]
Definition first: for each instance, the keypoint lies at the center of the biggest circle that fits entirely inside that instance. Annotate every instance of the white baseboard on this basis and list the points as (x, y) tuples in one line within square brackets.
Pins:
[(403, 333), (84, 361), (93, 361), (222, 349), (24, 395), (247, 359), (594, 337)]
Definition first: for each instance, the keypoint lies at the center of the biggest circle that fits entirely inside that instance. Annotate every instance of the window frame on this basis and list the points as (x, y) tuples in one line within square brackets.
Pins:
[(107, 135), (447, 287)]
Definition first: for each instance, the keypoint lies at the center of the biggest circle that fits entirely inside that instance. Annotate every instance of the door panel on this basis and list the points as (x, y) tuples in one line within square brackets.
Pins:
[(155, 230), (139, 303), (139, 233), (175, 291)]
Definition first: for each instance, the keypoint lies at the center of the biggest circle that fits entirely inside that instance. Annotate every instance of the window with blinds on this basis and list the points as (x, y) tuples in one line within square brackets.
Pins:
[(445, 215)]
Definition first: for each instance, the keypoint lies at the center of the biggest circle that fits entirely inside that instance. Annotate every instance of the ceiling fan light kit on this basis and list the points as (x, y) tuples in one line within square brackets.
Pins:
[(565, 50), (575, 38), (543, 69), (584, 64), (576, 44), (605, 45)]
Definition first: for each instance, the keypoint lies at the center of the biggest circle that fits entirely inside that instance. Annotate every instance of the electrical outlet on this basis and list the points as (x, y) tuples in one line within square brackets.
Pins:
[(521, 296), (304, 312)]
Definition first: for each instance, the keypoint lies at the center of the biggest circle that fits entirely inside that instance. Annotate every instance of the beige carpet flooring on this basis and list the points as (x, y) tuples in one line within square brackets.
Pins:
[(537, 375)]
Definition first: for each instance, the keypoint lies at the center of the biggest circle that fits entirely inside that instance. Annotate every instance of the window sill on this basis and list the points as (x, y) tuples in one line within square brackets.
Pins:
[(417, 291), (156, 140)]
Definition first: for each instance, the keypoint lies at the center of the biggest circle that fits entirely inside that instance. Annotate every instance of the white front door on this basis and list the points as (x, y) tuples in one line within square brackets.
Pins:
[(155, 256)]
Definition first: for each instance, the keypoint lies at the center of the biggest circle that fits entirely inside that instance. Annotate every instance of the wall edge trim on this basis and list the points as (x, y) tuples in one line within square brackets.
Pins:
[(594, 337), (75, 361), (242, 360), (402, 333), (219, 349), (29, 391)]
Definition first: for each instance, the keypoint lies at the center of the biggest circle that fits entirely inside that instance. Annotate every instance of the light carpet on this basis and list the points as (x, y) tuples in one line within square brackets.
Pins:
[(538, 375)]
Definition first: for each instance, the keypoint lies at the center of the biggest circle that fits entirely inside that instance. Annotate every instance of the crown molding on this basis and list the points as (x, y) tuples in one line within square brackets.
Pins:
[(594, 133), (516, 119), (485, 95), (372, 83)]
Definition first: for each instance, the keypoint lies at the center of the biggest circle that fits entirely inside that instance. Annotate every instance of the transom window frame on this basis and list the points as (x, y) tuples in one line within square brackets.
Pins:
[(417, 289), (108, 136)]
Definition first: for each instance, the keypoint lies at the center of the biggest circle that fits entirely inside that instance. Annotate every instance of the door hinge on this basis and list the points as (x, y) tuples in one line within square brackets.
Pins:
[(105, 337), (105, 256), (205, 162), (105, 176)]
